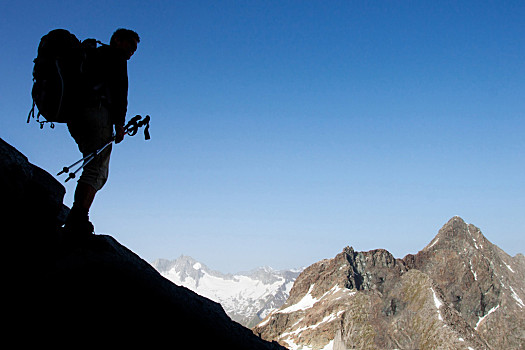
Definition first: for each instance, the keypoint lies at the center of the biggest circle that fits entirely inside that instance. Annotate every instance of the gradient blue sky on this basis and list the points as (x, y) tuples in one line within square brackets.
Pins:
[(283, 131)]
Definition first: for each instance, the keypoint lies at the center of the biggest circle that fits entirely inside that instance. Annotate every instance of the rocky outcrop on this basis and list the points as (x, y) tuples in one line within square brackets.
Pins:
[(459, 292), (480, 281), (95, 292)]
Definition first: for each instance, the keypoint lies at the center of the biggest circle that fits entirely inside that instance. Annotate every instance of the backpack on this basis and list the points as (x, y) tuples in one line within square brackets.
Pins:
[(57, 76)]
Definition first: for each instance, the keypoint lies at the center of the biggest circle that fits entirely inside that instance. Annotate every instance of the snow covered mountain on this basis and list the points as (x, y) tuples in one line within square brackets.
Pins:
[(247, 297)]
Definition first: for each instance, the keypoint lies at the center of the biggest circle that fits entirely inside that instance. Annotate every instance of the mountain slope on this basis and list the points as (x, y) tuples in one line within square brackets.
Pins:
[(91, 293), (247, 297), (459, 292), (482, 282)]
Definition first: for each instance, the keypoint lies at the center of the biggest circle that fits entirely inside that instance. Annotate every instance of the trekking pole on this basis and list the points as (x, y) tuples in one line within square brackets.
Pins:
[(65, 169), (131, 129), (86, 160)]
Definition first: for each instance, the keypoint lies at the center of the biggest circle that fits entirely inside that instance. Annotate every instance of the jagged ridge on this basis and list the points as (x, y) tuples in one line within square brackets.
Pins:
[(460, 291)]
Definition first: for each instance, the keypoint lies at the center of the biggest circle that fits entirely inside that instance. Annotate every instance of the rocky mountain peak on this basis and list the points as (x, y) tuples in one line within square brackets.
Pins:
[(186, 267), (459, 292), (457, 234), (361, 263), (476, 276)]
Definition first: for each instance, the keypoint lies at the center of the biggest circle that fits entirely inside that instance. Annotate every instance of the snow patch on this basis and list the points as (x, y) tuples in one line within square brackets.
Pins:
[(309, 301), (508, 267), (293, 346), (517, 298), (472, 270), (329, 346), (305, 303), (328, 318), (433, 243), (481, 319), (475, 242), (290, 344), (438, 303), (268, 318)]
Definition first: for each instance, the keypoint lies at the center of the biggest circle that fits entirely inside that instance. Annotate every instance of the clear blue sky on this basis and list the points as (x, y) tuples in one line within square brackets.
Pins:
[(283, 131)]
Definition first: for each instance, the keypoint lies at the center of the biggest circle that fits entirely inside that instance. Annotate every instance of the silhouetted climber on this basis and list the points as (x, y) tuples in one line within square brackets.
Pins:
[(104, 108)]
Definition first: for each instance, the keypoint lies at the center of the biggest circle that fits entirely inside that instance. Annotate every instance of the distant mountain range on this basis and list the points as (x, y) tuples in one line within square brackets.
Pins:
[(247, 297), (460, 292)]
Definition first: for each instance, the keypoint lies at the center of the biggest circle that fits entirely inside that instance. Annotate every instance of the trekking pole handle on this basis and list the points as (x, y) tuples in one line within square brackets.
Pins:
[(145, 121), (135, 123), (132, 126)]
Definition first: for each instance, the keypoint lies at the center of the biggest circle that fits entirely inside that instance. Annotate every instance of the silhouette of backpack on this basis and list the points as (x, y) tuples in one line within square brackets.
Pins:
[(57, 76)]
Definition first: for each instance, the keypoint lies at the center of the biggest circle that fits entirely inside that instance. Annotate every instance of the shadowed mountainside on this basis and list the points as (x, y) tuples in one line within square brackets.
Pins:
[(95, 292)]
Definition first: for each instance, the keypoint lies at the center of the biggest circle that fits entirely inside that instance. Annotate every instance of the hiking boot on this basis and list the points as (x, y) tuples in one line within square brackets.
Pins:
[(78, 225)]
